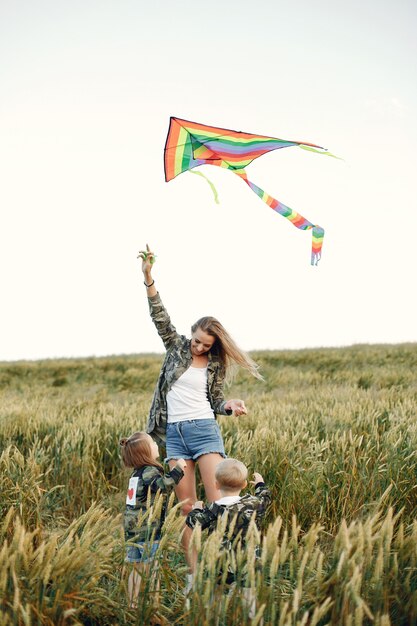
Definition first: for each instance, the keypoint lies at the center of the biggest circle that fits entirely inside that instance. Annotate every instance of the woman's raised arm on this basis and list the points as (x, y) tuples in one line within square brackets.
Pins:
[(148, 259), (166, 330)]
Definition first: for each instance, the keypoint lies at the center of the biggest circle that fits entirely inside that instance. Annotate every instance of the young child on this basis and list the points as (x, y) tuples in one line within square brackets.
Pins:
[(231, 477), (140, 452)]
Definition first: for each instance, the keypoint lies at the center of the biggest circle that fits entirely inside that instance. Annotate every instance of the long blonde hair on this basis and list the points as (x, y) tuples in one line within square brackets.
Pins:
[(136, 451), (226, 349)]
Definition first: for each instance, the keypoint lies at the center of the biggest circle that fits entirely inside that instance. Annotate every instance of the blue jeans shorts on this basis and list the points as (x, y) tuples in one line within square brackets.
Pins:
[(193, 438), (141, 552)]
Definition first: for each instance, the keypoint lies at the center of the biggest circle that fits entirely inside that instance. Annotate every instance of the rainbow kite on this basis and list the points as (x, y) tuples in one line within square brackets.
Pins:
[(190, 144)]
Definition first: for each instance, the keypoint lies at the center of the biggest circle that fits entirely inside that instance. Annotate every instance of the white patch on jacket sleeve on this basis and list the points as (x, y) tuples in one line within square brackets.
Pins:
[(131, 491)]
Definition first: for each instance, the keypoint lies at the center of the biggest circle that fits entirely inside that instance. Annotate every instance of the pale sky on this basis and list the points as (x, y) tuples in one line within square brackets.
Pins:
[(86, 92)]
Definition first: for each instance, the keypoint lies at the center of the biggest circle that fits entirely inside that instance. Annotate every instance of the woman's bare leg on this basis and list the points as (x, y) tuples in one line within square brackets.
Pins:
[(186, 490), (207, 464)]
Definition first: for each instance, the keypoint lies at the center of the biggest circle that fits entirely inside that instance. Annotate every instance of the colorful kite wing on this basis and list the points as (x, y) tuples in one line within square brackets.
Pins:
[(190, 145)]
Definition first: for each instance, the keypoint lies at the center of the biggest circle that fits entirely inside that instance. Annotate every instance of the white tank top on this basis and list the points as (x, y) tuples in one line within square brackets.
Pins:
[(187, 398)]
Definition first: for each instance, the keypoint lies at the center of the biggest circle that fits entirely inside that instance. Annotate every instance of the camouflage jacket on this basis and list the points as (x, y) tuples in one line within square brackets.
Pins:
[(151, 480), (243, 511), (178, 359)]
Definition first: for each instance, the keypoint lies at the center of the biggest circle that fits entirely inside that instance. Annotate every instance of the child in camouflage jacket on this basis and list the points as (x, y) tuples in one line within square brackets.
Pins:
[(231, 478), (140, 452)]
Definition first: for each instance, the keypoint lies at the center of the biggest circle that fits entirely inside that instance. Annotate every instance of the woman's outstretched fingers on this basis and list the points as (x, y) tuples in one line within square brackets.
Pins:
[(145, 253), (237, 406), (148, 259)]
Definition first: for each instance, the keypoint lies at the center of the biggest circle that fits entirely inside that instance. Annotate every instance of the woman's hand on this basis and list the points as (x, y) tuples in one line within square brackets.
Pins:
[(198, 505), (148, 259), (237, 406)]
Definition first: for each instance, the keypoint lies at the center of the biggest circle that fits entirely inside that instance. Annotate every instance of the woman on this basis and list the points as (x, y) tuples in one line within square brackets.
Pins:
[(189, 393)]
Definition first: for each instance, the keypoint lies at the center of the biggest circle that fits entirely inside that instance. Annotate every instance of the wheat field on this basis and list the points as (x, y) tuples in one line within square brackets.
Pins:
[(333, 432)]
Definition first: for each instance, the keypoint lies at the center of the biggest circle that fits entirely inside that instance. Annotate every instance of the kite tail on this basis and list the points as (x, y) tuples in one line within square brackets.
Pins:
[(319, 151), (318, 235), (295, 218), (212, 187)]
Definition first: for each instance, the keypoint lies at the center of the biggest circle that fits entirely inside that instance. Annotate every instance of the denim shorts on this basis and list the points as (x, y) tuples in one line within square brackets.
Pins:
[(192, 438), (141, 552)]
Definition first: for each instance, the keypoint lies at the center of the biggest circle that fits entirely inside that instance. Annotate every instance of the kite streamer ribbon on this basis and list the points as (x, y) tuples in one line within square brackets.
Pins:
[(295, 218), (212, 187), (190, 144)]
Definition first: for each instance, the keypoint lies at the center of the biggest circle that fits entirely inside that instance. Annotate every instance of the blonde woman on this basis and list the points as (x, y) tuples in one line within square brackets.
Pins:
[(189, 393)]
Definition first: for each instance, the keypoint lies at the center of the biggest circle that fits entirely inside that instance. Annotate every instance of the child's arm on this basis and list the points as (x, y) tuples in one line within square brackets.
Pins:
[(262, 493), (165, 482), (201, 515)]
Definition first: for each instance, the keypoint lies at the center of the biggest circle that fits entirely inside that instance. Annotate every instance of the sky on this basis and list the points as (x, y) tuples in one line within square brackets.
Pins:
[(86, 93)]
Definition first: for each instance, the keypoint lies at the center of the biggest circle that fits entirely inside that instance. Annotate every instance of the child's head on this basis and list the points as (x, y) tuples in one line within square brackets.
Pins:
[(231, 475), (138, 450)]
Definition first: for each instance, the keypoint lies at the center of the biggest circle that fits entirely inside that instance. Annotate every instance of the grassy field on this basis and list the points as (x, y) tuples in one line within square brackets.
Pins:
[(334, 433)]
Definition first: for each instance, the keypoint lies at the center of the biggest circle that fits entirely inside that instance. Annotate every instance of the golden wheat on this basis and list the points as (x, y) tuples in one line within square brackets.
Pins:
[(333, 432)]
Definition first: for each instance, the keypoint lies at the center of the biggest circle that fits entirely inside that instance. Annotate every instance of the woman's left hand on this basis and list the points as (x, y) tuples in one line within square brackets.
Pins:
[(237, 406)]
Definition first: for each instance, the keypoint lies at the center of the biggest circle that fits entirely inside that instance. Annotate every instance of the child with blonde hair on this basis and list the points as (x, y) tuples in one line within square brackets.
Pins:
[(140, 452), (231, 477)]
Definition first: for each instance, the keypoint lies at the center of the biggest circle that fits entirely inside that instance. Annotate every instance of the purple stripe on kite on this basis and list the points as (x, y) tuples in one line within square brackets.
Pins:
[(223, 148), (196, 162)]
